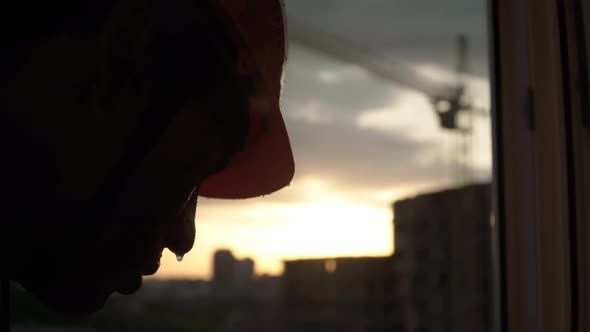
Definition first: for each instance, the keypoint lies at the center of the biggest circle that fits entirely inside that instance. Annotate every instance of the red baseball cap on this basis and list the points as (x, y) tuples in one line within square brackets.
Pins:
[(265, 164)]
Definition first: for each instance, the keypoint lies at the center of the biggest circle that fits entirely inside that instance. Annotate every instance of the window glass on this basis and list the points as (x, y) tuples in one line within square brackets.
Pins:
[(386, 223)]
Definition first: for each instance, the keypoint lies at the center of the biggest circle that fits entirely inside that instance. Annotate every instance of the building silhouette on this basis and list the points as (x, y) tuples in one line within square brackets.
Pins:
[(441, 277), (231, 276), (223, 272), (243, 272), (334, 294)]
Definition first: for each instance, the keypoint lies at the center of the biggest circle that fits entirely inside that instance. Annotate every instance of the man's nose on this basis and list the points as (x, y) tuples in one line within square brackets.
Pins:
[(180, 235)]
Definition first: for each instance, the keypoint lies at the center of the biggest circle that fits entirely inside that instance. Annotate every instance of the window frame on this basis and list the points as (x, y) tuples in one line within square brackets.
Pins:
[(535, 288)]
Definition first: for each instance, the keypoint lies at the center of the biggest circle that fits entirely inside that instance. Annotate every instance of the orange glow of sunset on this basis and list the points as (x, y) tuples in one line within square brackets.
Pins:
[(328, 223)]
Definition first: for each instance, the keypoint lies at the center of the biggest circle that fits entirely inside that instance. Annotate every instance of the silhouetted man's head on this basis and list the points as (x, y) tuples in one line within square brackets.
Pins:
[(114, 115)]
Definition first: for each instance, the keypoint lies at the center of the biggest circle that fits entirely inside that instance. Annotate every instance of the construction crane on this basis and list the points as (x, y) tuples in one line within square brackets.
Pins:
[(449, 100)]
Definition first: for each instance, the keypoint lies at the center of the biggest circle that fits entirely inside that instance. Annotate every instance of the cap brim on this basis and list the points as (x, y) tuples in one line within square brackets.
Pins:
[(263, 166)]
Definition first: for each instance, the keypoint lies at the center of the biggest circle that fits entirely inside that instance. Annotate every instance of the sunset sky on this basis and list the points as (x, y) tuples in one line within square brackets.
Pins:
[(360, 142)]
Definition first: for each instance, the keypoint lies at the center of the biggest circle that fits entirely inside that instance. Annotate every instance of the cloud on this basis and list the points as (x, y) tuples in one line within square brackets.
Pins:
[(418, 31), (339, 91), (324, 105), (357, 157)]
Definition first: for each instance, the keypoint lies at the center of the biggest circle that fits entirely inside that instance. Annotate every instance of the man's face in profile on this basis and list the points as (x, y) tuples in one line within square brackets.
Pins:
[(74, 261), (63, 142)]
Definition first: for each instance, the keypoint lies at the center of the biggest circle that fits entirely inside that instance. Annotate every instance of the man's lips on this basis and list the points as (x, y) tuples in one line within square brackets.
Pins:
[(131, 280), (150, 268)]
